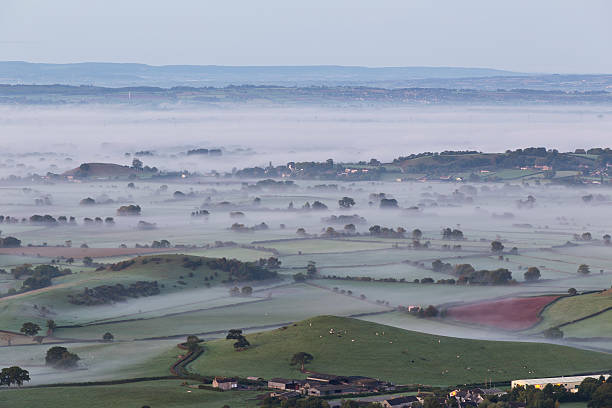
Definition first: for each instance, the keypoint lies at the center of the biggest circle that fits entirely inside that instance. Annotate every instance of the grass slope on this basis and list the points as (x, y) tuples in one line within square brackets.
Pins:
[(365, 348), (571, 308), (166, 393)]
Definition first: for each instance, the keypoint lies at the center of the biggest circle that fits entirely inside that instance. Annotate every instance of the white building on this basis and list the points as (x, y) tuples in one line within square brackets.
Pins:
[(570, 383)]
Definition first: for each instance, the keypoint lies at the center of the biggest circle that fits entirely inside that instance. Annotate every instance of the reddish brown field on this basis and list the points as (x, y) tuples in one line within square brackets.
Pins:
[(52, 252), (507, 314)]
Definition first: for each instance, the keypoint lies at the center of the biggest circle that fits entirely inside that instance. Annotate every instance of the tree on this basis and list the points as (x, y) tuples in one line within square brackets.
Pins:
[(572, 291), (497, 246), (234, 334), (137, 164), (242, 343), (88, 261), (311, 269), (299, 277), (60, 357), (388, 203), (30, 329), (584, 269), (350, 228), (301, 358), (108, 336), (417, 234), (553, 333), (602, 397), (14, 375), (193, 342), (51, 325), (431, 402), (346, 202), (532, 274)]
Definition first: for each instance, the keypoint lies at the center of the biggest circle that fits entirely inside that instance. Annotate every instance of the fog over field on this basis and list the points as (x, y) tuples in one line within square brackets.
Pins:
[(255, 135)]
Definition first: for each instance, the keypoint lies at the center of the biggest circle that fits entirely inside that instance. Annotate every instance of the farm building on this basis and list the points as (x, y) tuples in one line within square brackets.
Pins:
[(224, 383), (283, 384), (400, 402), (570, 383)]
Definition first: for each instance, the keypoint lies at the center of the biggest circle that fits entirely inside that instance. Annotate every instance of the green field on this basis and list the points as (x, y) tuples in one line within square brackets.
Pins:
[(571, 308), (163, 393), (363, 348), (597, 326)]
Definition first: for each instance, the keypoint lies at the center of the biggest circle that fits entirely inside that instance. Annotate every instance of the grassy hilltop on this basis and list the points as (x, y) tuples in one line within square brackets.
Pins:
[(362, 348)]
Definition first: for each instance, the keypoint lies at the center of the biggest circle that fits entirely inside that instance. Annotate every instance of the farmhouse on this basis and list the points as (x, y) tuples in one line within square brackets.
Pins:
[(224, 383), (570, 383), (400, 402), (283, 384)]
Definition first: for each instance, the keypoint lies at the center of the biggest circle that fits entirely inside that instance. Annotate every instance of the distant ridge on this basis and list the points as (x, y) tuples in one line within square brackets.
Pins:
[(132, 74)]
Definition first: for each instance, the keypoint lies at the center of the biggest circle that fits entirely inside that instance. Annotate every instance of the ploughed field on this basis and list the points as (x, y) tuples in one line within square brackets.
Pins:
[(507, 314)]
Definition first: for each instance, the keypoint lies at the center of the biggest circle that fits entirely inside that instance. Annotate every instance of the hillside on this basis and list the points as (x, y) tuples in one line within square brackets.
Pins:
[(356, 347)]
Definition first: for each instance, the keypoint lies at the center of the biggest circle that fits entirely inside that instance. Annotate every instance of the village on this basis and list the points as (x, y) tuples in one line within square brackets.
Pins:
[(366, 391)]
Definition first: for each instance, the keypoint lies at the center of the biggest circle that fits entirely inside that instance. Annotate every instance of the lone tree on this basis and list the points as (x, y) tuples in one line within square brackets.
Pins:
[(301, 358), (346, 202), (192, 343), (584, 269), (14, 375), (532, 274), (51, 326), (60, 357), (417, 234), (553, 333), (30, 329), (497, 246)]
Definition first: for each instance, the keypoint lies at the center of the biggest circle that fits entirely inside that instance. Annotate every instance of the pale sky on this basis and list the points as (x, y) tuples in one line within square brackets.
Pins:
[(559, 36)]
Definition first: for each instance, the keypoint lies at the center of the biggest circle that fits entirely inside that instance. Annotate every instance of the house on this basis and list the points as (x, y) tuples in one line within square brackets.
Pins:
[(224, 383), (282, 384), (400, 402), (570, 383)]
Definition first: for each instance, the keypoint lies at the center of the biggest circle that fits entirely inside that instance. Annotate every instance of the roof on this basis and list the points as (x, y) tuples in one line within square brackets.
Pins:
[(281, 380), (578, 378), (224, 379), (408, 399)]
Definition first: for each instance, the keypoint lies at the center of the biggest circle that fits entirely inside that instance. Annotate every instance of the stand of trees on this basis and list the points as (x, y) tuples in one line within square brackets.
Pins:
[(13, 376), (105, 294), (59, 357)]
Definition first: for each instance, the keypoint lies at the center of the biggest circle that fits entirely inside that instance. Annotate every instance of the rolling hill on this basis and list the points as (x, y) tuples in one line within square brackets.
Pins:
[(346, 346)]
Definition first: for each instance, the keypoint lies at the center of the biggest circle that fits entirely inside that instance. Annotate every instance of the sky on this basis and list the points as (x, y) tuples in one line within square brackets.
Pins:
[(558, 36)]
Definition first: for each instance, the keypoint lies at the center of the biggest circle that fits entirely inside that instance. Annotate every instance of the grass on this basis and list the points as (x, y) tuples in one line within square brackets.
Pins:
[(363, 348), (286, 304), (99, 361), (324, 246), (164, 393), (597, 326), (574, 307)]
